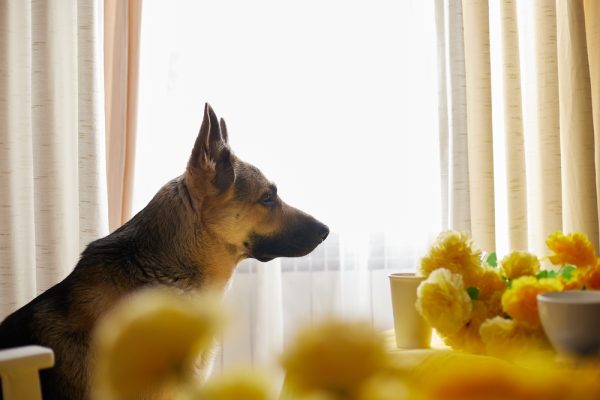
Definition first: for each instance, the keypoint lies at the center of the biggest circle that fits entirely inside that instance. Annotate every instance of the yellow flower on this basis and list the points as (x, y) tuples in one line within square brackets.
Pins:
[(147, 344), (507, 338), (443, 301), (591, 278), (520, 263), (334, 357), (491, 286), (455, 252), (241, 384), (520, 300), (577, 279), (466, 339), (574, 249)]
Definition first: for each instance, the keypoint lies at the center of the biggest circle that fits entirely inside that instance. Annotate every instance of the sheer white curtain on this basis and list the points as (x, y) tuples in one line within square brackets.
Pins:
[(52, 179), (336, 102)]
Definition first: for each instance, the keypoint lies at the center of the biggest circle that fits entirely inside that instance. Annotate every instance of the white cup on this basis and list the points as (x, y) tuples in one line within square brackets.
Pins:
[(412, 332), (571, 320)]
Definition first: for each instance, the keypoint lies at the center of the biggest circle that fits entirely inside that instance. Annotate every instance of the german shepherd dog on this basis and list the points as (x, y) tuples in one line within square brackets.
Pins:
[(191, 235)]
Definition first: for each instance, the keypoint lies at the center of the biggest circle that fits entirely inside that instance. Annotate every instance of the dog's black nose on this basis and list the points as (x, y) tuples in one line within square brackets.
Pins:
[(324, 232)]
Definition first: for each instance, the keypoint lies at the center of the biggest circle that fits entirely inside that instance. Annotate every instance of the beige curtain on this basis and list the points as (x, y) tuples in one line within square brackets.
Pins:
[(52, 196), (592, 34), (456, 212), (547, 118), (122, 21), (513, 124), (479, 120)]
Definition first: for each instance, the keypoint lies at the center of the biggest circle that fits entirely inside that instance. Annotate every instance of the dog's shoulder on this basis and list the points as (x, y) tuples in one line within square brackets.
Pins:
[(27, 325)]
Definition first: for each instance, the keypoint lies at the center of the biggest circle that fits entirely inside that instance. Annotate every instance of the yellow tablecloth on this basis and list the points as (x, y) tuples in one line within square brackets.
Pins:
[(440, 373), (420, 361), (577, 379)]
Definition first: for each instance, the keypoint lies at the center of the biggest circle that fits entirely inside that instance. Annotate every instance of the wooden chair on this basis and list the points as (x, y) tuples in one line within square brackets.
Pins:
[(19, 370)]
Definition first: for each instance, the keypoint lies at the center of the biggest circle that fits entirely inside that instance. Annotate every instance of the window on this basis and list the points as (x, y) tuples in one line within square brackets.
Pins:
[(334, 101)]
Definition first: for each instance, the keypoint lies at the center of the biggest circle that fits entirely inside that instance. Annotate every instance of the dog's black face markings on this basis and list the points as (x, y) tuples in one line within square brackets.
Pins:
[(246, 177), (294, 240)]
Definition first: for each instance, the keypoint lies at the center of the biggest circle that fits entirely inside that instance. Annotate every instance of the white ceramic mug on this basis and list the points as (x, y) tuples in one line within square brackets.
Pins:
[(571, 320), (412, 332)]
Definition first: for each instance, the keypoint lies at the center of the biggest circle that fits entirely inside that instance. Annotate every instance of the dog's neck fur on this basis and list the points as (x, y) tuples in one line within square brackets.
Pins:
[(166, 243)]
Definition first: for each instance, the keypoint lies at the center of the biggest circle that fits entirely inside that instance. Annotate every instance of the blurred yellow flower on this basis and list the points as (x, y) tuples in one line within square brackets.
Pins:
[(455, 252), (520, 263), (148, 343), (575, 249), (443, 301), (241, 384), (520, 300), (334, 357)]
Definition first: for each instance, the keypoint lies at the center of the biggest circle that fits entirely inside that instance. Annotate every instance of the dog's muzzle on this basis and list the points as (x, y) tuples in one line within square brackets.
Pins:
[(294, 240)]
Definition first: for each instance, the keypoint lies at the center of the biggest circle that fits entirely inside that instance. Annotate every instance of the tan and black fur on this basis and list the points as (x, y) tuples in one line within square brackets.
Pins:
[(191, 235)]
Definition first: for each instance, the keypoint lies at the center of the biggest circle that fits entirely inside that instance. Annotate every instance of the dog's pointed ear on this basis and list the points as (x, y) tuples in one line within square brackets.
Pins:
[(224, 133), (211, 155)]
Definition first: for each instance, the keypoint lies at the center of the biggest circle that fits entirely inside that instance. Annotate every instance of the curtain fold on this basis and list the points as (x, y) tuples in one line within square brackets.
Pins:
[(54, 96), (552, 159), (17, 221), (52, 197), (479, 121), (580, 210), (591, 10), (545, 185), (122, 23), (514, 159), (452, 109)]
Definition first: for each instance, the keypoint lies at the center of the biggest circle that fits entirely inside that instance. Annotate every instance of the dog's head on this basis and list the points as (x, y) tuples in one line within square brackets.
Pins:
[(239, 206)]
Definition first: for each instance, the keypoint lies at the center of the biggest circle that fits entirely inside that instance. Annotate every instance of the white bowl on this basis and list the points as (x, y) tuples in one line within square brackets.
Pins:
[(571, 321)]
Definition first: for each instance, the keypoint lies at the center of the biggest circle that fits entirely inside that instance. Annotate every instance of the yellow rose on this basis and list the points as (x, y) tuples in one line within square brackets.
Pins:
[(148, 343), (520, 300), (520, 263), (455, 252), (574, 249), (443, 301), (334, 357)]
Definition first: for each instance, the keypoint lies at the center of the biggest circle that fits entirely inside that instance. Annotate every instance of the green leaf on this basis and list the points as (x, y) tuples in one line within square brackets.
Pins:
[(492, 259), (473, 293), (546, 274), (567, 271)]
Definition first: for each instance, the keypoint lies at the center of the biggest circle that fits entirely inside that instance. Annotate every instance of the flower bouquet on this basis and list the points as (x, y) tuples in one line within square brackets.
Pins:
[(480, 305)]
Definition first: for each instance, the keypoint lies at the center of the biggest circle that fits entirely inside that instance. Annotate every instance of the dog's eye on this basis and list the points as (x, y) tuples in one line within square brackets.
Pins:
[(268, 199)]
